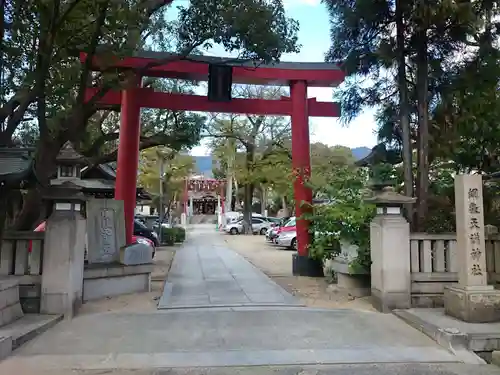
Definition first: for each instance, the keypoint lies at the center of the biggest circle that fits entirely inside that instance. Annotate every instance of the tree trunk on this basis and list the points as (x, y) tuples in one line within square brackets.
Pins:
[(404, 111), (229, 176), (4, 202), (263, 200), (236, 195), (247, 207), (284, 206), (248, 190), (423, 129), (45, 167)]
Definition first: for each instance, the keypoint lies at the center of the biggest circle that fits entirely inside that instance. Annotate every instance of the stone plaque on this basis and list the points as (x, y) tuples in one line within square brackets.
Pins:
[(137, 253), (105, 230), (470, 231), (107, 233)]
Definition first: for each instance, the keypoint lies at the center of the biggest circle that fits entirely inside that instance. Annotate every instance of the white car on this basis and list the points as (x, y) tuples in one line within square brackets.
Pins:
[(287, 239), (259, 225)]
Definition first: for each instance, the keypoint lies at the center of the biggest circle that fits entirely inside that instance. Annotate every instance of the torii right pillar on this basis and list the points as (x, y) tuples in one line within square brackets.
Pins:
[(301, 165)]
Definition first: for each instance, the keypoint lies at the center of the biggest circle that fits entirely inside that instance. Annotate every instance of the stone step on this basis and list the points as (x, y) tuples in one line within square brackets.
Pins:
[(24, 329)]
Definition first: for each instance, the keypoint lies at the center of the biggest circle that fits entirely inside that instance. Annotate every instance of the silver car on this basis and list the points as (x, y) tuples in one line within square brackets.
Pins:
[(259, 225), (287, 239)]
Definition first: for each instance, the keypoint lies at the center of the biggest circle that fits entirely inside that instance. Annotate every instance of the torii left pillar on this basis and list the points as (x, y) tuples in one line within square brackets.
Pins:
[(301, 163), (128, 157)]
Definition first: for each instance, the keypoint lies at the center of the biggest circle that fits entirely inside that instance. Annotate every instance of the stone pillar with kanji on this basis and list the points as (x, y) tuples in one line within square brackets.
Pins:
[(472, 300)]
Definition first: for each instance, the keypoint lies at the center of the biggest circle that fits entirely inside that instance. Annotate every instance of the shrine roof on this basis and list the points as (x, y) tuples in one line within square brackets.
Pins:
[(195, 67), (15, 163)]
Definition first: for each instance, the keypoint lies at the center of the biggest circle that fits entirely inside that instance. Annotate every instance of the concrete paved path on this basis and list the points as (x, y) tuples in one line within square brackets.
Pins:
[(244, 340), (205, 273)]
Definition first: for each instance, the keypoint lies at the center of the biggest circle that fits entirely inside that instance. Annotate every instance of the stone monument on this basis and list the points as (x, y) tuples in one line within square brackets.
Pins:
[(106, 230), (473, 300)]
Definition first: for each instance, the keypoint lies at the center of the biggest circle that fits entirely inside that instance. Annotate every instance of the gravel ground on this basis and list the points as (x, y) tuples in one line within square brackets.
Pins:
[(276, 262)]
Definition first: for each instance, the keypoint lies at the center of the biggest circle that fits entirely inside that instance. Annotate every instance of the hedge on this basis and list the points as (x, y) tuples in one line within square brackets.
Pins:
[(179, 234), (168, 236)]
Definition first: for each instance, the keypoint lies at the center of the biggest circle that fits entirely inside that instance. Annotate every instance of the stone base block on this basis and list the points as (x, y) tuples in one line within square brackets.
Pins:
[(474, 305), (5, 346), (305, 266), (387, 301), (10, 308), (59, 303), (355, 285), (114, 280)]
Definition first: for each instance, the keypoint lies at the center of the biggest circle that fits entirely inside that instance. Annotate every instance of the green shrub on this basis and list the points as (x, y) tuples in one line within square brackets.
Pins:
[(168, 236), (347, 219), (180, 234)]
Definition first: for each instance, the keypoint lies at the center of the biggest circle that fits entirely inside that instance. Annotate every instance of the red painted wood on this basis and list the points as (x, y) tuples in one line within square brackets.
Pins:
[(197, 70), (128, 158), (180, 102), (301, 161)]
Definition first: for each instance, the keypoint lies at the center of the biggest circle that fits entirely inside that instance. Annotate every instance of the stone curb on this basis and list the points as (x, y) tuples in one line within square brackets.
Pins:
[(451, 339)]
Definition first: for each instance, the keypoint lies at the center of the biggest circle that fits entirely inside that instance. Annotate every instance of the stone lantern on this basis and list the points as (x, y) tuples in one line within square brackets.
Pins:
[(65, 237), (389, 202), (390, 251)]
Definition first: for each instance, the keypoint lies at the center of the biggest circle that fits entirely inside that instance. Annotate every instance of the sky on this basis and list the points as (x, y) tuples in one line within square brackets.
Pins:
[(314, 36)]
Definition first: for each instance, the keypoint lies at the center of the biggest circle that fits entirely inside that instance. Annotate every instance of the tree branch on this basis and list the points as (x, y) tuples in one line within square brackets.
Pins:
[(146, 142)]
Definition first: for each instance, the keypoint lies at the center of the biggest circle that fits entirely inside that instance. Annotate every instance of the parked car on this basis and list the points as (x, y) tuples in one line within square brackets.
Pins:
[(143, 231), (272, 233), (288, 239), (289, 226), (274, 221), (259, 225)]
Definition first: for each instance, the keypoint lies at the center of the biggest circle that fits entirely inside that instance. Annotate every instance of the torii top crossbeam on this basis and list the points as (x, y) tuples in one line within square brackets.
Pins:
[(316, 74)]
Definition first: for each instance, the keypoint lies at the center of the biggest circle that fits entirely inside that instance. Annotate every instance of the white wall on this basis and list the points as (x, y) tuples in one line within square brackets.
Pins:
[(142, 209)]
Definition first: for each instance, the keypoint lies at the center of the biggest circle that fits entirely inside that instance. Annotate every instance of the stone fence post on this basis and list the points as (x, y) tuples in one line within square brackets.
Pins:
[(390, 252), (472, 300)]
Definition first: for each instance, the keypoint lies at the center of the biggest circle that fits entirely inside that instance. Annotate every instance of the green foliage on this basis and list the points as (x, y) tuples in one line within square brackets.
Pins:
[(180, 234), (176, 168), (447, 54), (168, 236), (346, 219), (258, 29)]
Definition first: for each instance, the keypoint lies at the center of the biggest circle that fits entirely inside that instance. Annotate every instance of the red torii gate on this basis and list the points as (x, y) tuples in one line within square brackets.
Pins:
[(298, 76)]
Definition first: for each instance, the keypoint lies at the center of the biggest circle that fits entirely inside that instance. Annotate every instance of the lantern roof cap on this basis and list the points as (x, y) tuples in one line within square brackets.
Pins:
[(68, 155), (388, 196)]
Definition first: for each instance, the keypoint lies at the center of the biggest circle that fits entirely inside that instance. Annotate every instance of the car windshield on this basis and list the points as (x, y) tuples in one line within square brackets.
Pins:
[(290, 223), (140, 224)]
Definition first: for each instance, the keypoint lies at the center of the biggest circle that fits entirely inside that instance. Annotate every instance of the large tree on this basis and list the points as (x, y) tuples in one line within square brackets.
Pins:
[(401, 57), (44, 82), (257, 138), (174, 166)]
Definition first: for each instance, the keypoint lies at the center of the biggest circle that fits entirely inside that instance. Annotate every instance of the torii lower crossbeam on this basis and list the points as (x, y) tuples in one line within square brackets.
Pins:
[(147, 98)]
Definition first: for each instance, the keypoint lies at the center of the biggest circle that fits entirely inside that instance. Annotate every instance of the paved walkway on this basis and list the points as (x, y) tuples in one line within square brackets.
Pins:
[(205, 273), (225, 340)]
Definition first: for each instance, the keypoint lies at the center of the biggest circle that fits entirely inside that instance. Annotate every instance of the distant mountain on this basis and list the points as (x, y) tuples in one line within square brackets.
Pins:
[(360, 152), (204, 164)]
